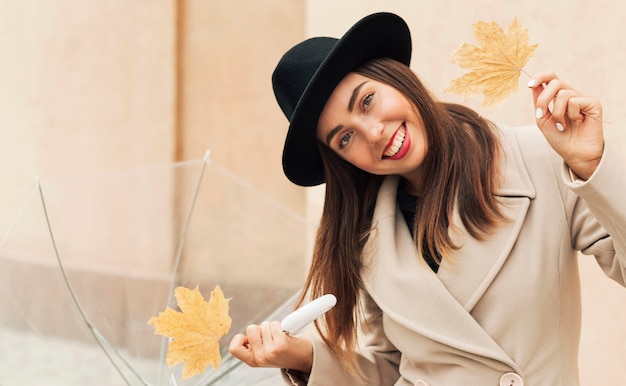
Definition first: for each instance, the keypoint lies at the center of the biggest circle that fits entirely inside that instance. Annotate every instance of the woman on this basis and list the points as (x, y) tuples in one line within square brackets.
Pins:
[(450, 243)]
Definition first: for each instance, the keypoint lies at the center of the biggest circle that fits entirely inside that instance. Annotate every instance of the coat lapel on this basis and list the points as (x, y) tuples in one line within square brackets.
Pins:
[(439, 306), (472, 269)]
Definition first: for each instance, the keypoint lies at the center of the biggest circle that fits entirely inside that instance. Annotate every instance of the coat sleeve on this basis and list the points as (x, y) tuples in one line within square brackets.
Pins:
[(377, 357), (599, 218)]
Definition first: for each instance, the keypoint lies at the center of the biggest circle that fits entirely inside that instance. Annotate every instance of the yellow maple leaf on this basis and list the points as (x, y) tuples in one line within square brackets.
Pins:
[(495, 66), (195, 331)]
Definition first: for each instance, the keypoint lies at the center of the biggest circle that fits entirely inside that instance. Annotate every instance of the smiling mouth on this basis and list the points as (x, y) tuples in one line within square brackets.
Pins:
[(396, 143)]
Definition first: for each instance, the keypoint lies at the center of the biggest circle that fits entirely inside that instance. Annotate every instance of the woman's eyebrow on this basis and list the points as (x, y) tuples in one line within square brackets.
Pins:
[(332, 133), (355, 92)]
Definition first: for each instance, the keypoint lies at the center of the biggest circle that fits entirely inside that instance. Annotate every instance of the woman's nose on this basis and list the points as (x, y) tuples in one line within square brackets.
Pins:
[(374, 131)]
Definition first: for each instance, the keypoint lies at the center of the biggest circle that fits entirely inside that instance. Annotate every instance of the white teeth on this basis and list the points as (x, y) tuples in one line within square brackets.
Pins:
[(398, 140)]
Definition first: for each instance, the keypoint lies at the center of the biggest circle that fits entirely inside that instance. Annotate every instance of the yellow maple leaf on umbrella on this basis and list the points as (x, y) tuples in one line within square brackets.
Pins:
[(495, 65), (195, 331)]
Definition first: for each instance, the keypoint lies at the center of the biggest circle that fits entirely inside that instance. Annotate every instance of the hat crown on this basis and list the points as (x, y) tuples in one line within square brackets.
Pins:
[(296, 69)]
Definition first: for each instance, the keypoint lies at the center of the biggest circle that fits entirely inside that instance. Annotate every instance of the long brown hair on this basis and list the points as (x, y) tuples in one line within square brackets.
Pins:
[(460, 169)]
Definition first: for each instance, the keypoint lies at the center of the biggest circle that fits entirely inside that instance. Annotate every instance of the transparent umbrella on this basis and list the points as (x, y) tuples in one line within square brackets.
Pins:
[(87, 262)]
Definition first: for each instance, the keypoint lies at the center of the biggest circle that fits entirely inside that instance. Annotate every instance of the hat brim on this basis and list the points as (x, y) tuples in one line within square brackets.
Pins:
[(380, 35)]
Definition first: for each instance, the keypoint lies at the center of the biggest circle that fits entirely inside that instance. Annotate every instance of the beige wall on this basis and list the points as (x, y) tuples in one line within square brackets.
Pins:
[(91, 87), (228, 51), (86, 87)]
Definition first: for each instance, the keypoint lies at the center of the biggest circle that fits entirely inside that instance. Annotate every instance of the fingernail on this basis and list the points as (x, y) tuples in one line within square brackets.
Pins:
[(539, 113), (532, 83), (559, 127)]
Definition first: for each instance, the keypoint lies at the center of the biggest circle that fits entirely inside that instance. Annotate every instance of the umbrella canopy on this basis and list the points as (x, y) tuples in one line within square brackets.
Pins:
[(87, 262)]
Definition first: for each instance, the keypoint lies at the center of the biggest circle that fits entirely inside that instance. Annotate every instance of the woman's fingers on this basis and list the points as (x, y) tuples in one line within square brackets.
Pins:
[(266, 345), (240, 348), (552, 99), (556, 100), (253, 332), (583, 107), (570, 121), (563, 111), (248, 348), (263, 345)]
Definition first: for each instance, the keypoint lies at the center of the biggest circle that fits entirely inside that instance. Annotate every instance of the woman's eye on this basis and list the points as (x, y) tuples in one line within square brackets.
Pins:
[(343, 142), (367, 100)]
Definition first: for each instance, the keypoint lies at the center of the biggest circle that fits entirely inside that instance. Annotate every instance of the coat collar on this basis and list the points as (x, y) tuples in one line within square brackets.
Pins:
[(441, 304), (516, 181)]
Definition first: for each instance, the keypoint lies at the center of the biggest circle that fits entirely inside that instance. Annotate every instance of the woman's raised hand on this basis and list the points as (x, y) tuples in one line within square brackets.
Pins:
[(570, 121)]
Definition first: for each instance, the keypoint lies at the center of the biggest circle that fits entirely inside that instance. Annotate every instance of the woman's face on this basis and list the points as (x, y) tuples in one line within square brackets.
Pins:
[(374, 127)]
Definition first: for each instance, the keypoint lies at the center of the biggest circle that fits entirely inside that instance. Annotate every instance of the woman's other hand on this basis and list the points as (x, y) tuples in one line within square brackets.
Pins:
[(266, 345), (570, 121)]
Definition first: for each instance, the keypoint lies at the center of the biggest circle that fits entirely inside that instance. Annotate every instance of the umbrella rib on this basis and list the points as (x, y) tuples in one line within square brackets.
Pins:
[(183, 232), (179, 253), (94, 331)]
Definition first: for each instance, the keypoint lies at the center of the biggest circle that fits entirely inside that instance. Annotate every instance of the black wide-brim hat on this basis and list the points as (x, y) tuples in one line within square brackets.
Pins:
[(307, 74)]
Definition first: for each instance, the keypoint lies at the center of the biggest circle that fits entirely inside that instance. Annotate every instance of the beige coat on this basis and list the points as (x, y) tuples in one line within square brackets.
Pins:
[(504, 311)]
